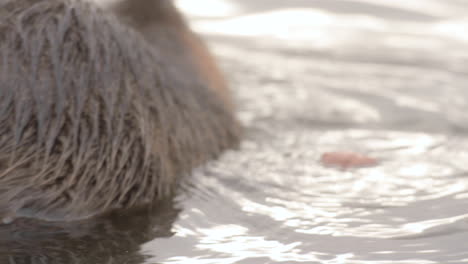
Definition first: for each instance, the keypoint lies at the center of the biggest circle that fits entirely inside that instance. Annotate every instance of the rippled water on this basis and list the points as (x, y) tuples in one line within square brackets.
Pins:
[(384, 78)]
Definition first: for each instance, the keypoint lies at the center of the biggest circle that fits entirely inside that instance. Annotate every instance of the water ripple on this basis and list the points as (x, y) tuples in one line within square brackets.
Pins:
[(386, 79)]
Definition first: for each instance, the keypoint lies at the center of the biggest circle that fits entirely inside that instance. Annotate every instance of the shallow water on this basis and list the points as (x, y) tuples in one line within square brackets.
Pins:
[(384, 78)]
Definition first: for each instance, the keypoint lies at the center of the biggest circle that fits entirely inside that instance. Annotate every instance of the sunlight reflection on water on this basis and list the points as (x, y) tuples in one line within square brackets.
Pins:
[(208, 8), (318, 76)]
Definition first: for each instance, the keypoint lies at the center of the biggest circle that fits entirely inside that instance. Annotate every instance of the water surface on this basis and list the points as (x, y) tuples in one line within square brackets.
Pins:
[(384, 78)]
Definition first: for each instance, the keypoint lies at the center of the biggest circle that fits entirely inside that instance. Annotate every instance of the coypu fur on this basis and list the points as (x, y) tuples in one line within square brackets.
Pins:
[(102, 109)]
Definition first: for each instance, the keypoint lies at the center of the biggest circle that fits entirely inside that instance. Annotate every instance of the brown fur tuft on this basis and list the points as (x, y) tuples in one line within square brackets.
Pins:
[(99, 112)]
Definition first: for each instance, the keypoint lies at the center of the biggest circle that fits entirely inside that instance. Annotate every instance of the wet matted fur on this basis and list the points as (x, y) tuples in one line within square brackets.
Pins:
[(96, 114)]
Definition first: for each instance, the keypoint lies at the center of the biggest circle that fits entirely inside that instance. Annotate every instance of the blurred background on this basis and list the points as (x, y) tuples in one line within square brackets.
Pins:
[(384, 78)]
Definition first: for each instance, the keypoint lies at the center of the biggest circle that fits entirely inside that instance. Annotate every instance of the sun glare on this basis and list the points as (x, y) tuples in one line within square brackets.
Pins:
[(207, 8)]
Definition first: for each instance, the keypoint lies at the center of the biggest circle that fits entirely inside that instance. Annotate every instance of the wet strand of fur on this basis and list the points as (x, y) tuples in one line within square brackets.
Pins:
[(91, 120)]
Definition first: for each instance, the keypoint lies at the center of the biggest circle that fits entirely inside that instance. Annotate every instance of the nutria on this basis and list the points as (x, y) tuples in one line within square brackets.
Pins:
[(102, 109)]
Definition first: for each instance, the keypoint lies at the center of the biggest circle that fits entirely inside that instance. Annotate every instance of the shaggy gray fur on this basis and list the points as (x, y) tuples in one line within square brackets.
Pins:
[(95, 117)]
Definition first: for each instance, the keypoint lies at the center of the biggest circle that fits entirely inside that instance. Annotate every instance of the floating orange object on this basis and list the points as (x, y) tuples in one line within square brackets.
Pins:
[(346, 160)]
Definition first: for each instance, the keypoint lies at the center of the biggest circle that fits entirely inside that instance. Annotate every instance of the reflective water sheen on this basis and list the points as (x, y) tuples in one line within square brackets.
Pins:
[(384, 78)]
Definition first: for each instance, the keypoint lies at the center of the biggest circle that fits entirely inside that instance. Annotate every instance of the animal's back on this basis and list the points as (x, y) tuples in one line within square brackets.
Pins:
[(95, 115)]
